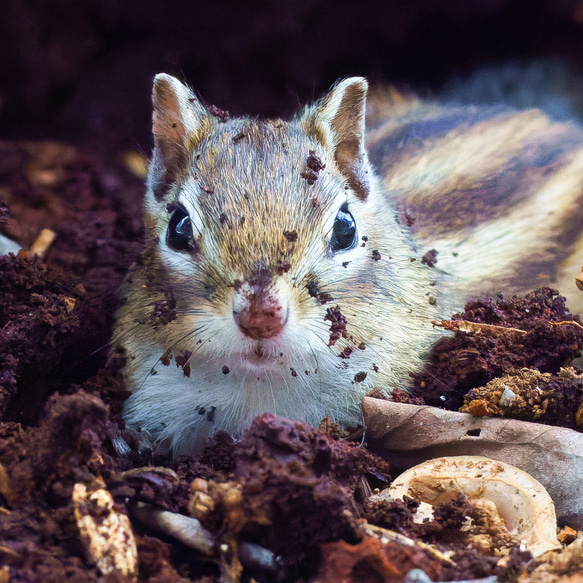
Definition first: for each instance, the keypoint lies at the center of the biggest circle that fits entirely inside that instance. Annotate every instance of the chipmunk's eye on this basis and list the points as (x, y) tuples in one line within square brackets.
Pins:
[(344, 230), (179, 235)]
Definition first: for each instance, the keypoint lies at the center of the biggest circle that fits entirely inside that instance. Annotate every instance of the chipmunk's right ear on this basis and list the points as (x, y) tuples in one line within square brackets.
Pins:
[(178, 117), (337, 122)]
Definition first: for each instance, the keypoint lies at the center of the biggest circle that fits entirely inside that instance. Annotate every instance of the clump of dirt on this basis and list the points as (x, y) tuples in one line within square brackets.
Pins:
[(56, 314), (305, 480), (40, 319), (531, 396), (301, 496), (60, 406), (497, 337)]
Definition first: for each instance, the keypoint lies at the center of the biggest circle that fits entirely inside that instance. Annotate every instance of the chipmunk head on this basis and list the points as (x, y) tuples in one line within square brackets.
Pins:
[(251, 195), (239, 207), (272, 243)]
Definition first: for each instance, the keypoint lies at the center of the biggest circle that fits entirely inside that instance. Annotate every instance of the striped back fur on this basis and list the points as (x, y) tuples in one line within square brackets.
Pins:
[(497, 192)]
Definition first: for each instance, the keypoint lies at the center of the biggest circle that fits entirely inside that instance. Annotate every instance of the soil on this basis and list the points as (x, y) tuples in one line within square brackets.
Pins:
[(287, 502), (301, 494), (519, 333)]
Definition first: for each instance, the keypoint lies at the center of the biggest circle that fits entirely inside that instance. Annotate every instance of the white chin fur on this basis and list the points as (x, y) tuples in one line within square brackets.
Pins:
[(228, 392)]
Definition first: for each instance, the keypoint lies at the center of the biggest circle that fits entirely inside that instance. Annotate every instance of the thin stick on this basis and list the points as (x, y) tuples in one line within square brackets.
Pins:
[(40, 245), (401, 539)]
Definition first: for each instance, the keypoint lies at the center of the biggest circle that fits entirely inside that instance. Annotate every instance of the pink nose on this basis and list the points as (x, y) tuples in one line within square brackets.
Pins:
[(261, 319)]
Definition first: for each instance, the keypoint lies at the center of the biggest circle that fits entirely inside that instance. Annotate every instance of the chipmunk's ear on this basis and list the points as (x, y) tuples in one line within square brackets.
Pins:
[(337, 122), (178, 117)]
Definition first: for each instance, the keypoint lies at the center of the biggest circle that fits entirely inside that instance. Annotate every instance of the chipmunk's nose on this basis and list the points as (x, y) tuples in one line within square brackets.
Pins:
[(261, 314)]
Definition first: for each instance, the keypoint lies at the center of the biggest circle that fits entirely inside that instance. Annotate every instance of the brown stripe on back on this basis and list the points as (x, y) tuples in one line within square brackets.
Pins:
[(420, 127), (476, 173), (522, 248)]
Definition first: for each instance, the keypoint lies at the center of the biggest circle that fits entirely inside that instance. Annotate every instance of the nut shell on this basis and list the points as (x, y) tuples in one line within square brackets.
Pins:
[(521, 501)]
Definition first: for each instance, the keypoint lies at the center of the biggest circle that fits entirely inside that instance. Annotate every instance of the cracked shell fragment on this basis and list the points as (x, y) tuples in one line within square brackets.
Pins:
[(106, 534), (522, 502)]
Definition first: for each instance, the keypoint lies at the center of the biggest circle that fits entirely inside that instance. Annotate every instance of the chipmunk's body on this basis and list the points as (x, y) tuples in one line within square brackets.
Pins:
[(277, 275)]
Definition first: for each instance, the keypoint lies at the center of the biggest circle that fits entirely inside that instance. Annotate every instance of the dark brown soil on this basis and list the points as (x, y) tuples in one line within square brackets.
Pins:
[(80, 73), (301, 494), (534, 331)]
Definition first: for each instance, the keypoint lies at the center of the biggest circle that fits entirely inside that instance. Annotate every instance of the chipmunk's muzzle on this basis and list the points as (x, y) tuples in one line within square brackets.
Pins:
[(260, 312)]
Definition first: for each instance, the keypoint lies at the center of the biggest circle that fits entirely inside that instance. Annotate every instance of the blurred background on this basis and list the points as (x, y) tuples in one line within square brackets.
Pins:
[(80, 71)]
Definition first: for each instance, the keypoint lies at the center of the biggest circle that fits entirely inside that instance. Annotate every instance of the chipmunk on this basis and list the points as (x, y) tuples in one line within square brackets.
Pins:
[(280, 272)]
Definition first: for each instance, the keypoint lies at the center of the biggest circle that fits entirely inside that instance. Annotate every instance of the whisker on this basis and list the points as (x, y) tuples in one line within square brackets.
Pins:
[(127, 334), (275, 409), (106, 345), (172, 346), (195, 349), (317, 365)]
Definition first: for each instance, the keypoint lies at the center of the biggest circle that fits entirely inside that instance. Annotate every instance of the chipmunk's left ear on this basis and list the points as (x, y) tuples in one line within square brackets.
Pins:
[(178, 116), (337, 122)]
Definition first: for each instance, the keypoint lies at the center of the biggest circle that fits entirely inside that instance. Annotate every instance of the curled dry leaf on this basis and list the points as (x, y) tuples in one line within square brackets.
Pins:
[(106, 534), (524, 505), (410, 434)]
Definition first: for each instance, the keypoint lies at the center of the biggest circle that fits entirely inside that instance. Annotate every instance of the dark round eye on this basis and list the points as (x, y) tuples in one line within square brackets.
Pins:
[(344, 230), (179, 235)]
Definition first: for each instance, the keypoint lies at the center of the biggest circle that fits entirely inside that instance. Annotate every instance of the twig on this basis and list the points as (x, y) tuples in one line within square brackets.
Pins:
[(490, 329), (476, 328), (401, 539), (567, 323), (40, 245)]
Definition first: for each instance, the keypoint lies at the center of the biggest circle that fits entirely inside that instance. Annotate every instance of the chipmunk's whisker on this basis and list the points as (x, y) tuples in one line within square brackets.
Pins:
[(151, 372)]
